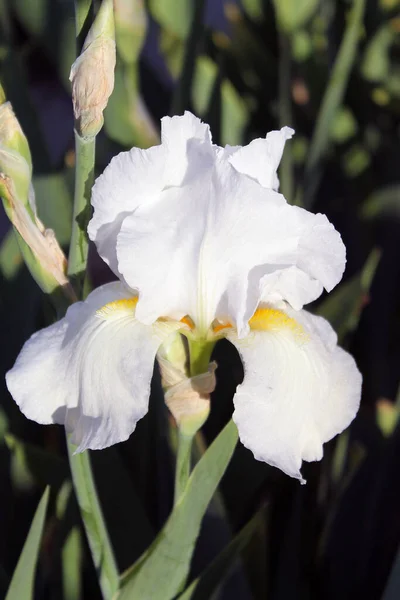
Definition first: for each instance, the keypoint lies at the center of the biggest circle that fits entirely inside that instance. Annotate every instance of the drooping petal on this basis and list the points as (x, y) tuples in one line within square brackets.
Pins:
[(91, 371), (260, 159), (299, 389), (137, 177), (206, 248)]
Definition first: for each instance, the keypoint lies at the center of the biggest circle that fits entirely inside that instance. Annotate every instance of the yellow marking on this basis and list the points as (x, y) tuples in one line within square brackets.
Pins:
[(218, 326), (112, 308), (188, 321), (272, 319)]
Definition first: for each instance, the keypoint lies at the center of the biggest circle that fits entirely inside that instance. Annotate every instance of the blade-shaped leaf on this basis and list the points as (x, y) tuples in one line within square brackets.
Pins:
[(161, 572), (21, 585), (31, 464), (343, 307), (204, 586), (233, 109), (71, 565), (93, 521), (54, 204), (332, 99), (383, 202)]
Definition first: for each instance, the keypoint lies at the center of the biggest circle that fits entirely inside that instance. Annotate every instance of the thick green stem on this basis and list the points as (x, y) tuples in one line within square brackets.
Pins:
[(183, 464), (199, 356), (93, 521), (84, 178), (199, 359)]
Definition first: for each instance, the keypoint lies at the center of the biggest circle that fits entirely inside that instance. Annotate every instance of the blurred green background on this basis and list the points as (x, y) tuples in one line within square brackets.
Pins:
[(331, 70)]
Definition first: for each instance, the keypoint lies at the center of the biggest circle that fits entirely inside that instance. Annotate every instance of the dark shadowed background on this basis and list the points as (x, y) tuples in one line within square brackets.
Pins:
[(331, 73)]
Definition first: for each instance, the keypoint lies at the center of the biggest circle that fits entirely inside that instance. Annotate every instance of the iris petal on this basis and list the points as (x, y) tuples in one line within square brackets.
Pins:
[(91, 371), (299, 389)]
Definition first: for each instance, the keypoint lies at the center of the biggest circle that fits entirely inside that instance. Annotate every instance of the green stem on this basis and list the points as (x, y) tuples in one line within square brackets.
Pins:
[(285, 115), (96, 530), (183, 464), (199, 356), (84, 178), (199, 359)]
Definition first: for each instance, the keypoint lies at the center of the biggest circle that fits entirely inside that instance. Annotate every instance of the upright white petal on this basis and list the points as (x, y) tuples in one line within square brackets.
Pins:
[(90, 371), (137, 177), (207, 248), (260, 159), (299, 389)]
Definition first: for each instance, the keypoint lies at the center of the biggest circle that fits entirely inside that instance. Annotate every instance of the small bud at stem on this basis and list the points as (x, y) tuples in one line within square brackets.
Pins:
[(92, 74), (15, 157)]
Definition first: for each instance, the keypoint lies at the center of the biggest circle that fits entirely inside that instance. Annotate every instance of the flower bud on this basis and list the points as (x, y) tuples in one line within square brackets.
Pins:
[(92, 74), (15, 157), (130, 28), (39, 246), (187, 398)]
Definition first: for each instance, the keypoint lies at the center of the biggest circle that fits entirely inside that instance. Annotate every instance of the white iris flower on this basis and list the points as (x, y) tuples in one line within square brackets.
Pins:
[(202, 243)]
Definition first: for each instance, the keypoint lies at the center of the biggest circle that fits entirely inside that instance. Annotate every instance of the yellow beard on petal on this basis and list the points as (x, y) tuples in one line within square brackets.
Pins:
[(114, 308), (272, 319)]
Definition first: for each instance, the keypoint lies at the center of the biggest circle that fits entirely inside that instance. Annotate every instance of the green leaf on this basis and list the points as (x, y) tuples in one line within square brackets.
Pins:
[(21, 586), (383, 202), (173, 15), (181, 97), (126, 119), (204, 586), (123, 511), (161, 572), (233, 110), (376, 62), (293, 14), (71, 557), (96, 530), (54, 204), (332, 99), (31, 464), (68, 538), (343, 306), (10, 255), (355, 160), (253, 8), (344, 125), (301, 45)]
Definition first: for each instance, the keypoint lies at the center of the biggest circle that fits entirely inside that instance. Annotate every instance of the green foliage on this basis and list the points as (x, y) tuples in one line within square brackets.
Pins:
[(204, 586), (343, 306), (21, 585), (294, 14), (330, 70), (332, 98), (382, 202), (173, 15), (234, 113), (152, 578), (96, 530)]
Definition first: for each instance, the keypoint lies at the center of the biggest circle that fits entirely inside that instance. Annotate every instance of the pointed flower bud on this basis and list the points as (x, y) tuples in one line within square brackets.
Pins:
[(15, 157), (92, 74), (40, 249), (130, 28)]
